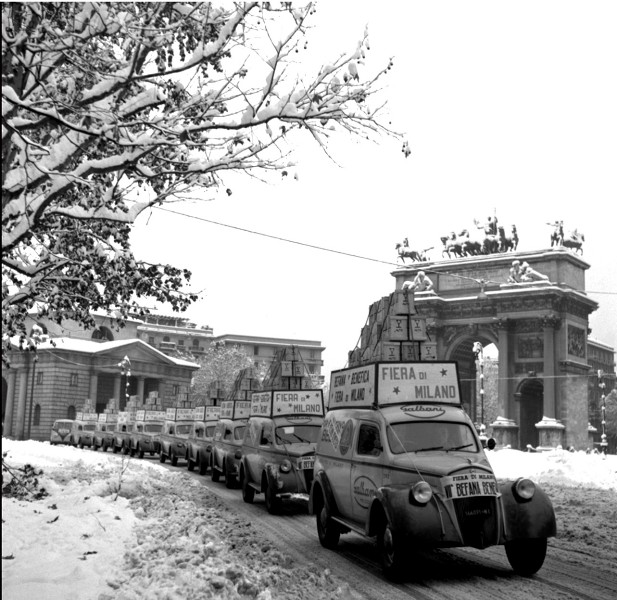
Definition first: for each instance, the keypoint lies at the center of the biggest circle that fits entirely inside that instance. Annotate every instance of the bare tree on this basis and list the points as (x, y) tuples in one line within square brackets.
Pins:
[(112, 108)]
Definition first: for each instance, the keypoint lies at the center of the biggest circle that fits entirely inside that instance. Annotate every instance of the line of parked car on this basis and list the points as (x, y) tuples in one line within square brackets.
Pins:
[(395, 458)]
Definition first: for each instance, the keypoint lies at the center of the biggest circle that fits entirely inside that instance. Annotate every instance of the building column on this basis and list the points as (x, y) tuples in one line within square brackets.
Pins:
[(20, 425), (94, 386), (141, 380), (117, 389), (10, 402), (549, 324)]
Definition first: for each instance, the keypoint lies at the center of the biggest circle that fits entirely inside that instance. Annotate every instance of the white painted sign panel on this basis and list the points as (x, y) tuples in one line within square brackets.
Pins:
[(395, 383)]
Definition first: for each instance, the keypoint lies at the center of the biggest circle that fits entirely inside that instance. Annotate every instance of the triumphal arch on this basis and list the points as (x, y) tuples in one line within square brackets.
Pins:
[(539, 325)]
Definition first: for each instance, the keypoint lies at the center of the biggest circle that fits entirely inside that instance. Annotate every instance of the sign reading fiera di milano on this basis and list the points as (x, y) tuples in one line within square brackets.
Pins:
[(287, 403), (395, 383)]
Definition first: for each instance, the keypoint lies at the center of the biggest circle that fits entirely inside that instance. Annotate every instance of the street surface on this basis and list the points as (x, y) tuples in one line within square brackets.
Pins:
[(458, 574)]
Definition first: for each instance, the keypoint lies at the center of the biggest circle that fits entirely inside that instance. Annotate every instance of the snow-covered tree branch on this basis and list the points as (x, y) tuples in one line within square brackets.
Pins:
[(111, 108)]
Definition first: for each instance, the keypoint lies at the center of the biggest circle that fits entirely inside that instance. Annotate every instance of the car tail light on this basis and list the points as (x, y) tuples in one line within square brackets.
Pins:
[(524, 489), (285, 466), (420, 493)]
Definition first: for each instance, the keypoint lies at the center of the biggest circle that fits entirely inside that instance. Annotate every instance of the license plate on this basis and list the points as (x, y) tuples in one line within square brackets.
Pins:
[(306, 463), (470, 485)]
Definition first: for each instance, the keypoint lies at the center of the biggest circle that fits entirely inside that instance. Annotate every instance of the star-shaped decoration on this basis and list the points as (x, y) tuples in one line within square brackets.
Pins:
[(396, 390), (444, 372)]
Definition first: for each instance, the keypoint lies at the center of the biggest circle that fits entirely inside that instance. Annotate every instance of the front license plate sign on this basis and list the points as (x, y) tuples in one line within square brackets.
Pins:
[(306, 463), (470, 485)]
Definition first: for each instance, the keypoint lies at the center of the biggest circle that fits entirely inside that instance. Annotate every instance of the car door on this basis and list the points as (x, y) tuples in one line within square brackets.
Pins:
[(366, 468)]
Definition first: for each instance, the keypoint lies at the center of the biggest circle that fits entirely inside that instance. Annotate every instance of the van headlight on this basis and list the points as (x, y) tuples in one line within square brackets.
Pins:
[(285, 466), (524, 489), (420, 493)]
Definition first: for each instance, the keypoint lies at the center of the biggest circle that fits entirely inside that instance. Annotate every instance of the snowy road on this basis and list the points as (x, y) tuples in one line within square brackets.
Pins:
[(571, 572)]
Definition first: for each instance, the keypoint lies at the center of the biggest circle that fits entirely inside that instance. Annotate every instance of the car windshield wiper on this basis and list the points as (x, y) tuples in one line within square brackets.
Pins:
[(459, 447), (427, 449)]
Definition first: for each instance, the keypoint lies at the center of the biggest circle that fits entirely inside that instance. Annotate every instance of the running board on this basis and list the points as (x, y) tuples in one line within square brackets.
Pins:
[(349, 526)]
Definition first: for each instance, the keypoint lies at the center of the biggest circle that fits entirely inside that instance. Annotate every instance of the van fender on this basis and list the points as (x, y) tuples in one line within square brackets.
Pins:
[(534, 518), (271, 476), (422, 521), (321, 480)]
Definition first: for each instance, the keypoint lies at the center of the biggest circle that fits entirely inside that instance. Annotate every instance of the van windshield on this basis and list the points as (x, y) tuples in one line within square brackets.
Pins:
[(62, 425), (298, 434), (153, 427), (90, 426), (423, 436), (183, 429)]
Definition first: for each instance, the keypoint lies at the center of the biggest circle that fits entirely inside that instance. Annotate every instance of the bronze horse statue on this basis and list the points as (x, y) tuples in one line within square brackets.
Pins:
[(574, 240), (414, 255), (452, 245), (507, 242)]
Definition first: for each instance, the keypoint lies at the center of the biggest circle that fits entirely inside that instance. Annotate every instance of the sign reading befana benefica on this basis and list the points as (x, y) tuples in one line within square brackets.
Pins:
[(287, 403), (206, 413), (235, 409), (395, 383)]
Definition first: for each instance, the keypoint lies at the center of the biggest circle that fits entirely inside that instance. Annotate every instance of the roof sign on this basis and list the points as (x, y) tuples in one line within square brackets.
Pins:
[(395, 383), (150, 415), (287, 403), (206, 413), (179, 414), (235, 409)]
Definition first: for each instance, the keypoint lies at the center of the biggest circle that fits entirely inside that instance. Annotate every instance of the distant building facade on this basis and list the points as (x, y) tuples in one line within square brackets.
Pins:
[(264, 349), (73, 364)]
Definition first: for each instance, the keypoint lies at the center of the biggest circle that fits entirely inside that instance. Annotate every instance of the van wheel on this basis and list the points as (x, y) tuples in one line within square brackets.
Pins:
[(327, 530), (80, 444), (190, 465), (273, 502), (526, 556), (203, 467), (161, 457), (116, 449), (174, 460), (392, 553), (230, 479), (248, 492), (140, 452), (132, 451), (94, 447), (214, 474)]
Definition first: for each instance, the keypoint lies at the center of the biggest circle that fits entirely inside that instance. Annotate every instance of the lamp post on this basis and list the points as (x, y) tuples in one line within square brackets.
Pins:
[(603, 438), (125, 367), (478, 350)]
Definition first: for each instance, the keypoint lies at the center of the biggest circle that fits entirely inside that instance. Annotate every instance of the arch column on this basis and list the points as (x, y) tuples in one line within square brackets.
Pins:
[(549, 324), (503, 386)]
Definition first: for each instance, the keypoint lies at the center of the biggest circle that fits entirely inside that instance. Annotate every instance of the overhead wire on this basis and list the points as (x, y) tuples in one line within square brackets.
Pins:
[(340, 252)]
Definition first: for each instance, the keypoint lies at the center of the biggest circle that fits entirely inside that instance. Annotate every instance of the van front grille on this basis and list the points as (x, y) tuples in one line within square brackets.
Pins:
[(477, 519)]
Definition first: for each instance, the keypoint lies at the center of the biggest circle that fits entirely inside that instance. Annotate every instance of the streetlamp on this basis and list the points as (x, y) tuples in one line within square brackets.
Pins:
[(478, 350), (603, 439), (125, 368)]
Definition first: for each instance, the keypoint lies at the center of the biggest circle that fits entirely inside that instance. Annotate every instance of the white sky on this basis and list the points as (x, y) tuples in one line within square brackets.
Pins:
[(507, 107)]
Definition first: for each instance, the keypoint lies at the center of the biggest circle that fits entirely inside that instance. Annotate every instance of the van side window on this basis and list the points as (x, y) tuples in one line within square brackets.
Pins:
[(267, 438), (369, 442)]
